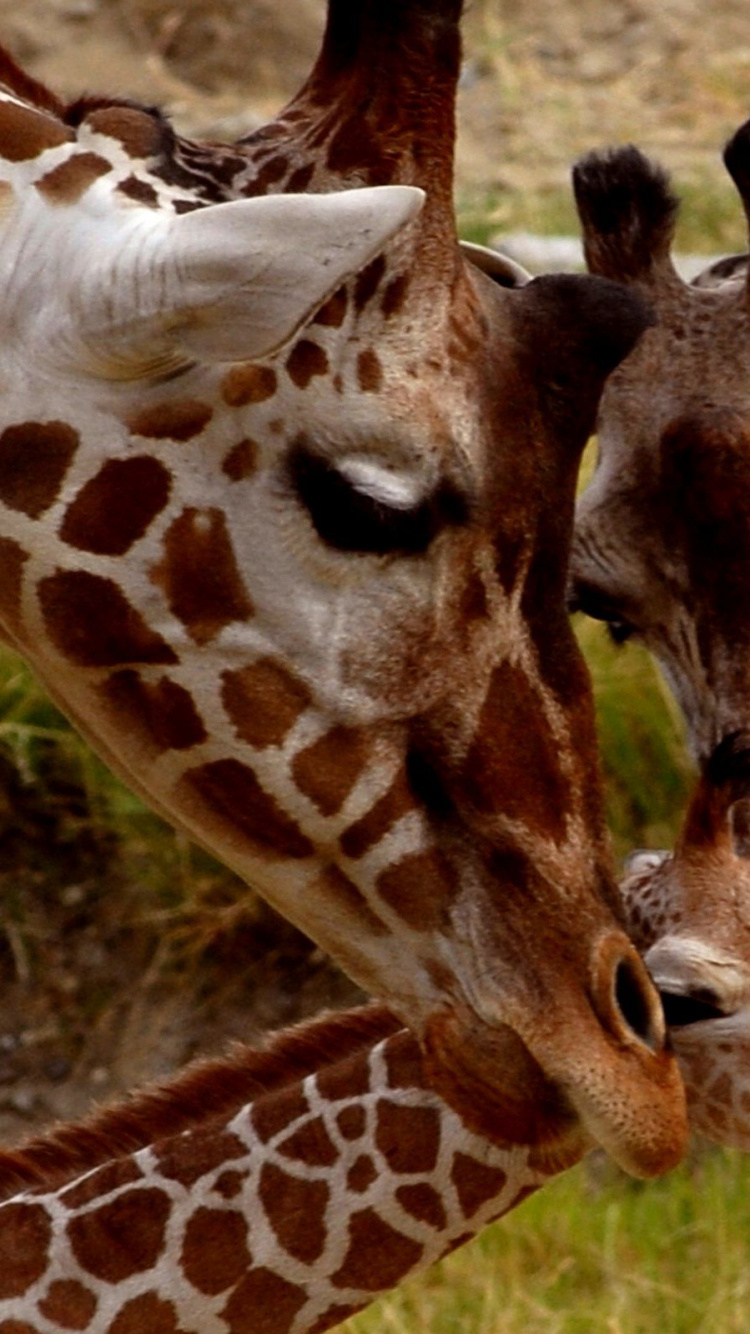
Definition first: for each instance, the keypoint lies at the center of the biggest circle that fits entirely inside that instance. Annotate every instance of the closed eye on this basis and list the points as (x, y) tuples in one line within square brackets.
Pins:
[(592, 602), (360, 516)]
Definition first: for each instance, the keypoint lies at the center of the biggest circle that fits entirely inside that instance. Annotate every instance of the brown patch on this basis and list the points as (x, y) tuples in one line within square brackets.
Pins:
[(66, 183), (311, 1144), (407, 1137), (181, 420), (117, 506), (25, 1235), (91, 622), (352, 1122), (147, 1312), (17, 1327), (273, 1114), (270, 173), (394, 295), (214, 1249), (138, 132), (263, 1303), (361, 1174), (199, 574), (366, 832), (69, 1303), (12, 560), (475, 1182), (229, 1185), (327, 770), (306, 360), (331, 315), (296, 1210), (160, 713), (369, 371), (248, 384), (188, 1159), (369, 1235), (473, 606), (263, 702), (107, 1178), (241, 461), (368, 282), (423, 1202), (34, 458), (513, 766), (25, 133), (123, 1237), (141, 192), (419, 888), (233, 793), (334, 884), (300, 179), (344, 1080)]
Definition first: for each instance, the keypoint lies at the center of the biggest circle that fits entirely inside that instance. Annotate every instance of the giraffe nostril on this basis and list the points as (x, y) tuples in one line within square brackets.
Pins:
[(636, 1005), (681, 1010)]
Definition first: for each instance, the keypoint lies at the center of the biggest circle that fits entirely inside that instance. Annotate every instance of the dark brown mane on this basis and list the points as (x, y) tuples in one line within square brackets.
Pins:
[(204, 1091), (17, 81)]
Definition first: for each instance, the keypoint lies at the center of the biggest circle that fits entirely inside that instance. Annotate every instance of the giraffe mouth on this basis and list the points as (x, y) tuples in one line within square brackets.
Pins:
[(683, 1009)]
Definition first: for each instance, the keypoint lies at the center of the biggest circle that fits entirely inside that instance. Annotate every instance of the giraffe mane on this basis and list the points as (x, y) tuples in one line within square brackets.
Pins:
[(30, 90), (204, 1091)]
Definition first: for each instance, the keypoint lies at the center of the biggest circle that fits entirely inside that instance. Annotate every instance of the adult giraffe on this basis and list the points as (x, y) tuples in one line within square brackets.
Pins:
[(307, 596)]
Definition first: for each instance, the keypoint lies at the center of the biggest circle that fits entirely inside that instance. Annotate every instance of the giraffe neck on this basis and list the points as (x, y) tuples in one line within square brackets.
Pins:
[(279, 1210)]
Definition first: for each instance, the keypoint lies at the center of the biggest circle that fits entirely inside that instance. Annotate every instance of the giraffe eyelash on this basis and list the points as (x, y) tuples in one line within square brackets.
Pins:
[(354, 520)]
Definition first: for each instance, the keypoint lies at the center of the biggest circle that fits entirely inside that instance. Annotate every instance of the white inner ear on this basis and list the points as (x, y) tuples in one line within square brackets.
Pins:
[(397, 491)]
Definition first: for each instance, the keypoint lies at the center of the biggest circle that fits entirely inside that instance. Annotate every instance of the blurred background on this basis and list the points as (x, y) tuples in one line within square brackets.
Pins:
[(123, 949)]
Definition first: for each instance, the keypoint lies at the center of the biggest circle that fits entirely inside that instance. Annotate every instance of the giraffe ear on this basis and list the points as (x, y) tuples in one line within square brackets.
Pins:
[(243, 277)]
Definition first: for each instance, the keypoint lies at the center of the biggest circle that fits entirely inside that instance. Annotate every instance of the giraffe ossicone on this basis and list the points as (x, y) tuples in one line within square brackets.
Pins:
[(309, 603)]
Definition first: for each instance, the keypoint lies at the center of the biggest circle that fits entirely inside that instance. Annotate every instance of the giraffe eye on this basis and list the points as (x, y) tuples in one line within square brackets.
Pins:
[(359, 508), (593, 603)]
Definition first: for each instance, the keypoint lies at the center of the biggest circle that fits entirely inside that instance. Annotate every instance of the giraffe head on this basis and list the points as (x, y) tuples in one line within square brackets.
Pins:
[(662, 543), (690, 914), (298, 569)]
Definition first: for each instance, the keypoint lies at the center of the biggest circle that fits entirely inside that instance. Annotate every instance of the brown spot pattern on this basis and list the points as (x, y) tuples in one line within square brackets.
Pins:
[(199, 574), (91, 622), (25, 1235), (139, 133), (147, 1312), (65, 183), (105, 1179), (263, 702), (361, 1174), (344, 1080), (370, 1235), (161, 713), (310, 1144), (16, 1327), (366, 832), (68, 1303), (187, 1162), (123, 1237), (248, 384), (25, 133), (214, 1249), (394, 295), (331, 315), (234, 794), (368, 281), (181, 420), (423, 1202), (263, 1303), (327, 770), (34, 458), (369, 371), (117, 506), (333, 883), (475, 1182), (273, 1114), (12, 560), (241, 461), (296, 1210), (407, 1137), (419, 888), (305, 361), (141, 192), (352, 1122), (229, 1184)]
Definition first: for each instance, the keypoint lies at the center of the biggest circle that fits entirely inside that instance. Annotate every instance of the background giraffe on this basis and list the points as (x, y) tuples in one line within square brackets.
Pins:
[(312, 607)]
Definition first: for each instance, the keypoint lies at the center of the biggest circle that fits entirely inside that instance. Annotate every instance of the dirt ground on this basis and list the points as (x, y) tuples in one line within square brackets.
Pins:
[(88, 1004)]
